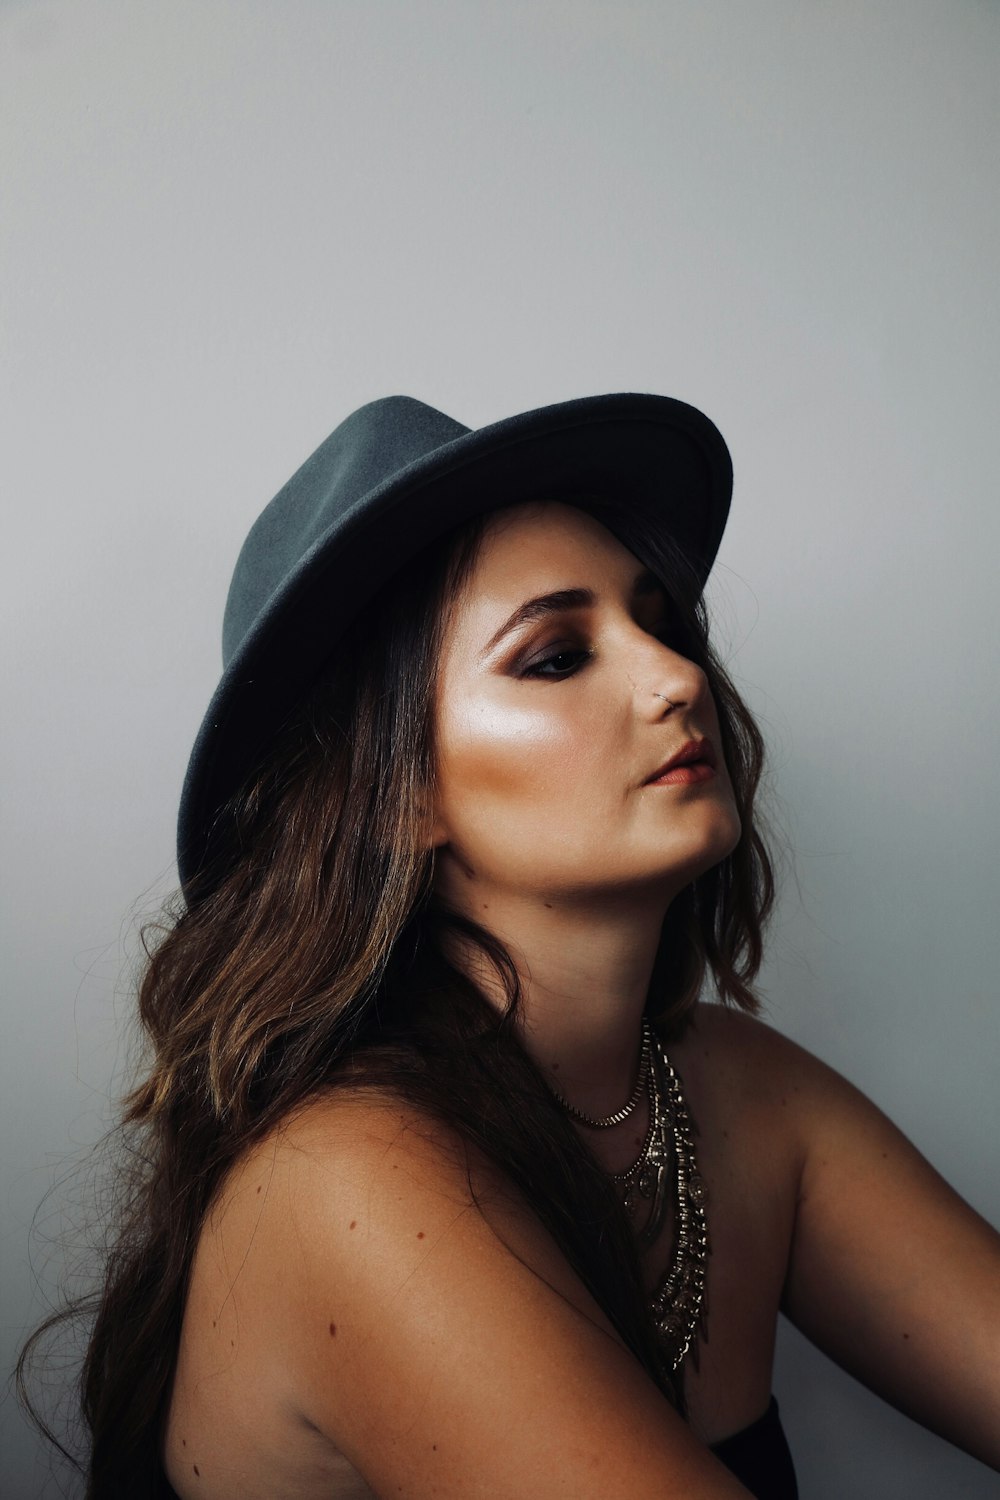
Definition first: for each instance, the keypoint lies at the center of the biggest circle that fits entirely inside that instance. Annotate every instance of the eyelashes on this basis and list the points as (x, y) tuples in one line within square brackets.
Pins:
[(536, 669), (575, 656)]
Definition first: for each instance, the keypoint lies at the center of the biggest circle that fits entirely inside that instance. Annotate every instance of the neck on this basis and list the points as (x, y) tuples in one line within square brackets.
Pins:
[(584, 973)]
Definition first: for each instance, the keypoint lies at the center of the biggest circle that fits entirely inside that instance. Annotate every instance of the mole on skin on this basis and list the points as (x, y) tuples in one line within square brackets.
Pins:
[(333, 1330)]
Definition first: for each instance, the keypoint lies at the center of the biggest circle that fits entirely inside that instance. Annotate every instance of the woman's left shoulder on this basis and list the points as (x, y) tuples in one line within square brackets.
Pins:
[(749, 1054), (760, 1085)]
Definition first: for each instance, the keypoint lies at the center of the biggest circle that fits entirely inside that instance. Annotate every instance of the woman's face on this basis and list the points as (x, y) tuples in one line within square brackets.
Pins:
[(548, 730)]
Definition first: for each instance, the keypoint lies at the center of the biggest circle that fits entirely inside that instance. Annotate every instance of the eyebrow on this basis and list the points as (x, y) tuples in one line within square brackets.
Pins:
[(566, 599)]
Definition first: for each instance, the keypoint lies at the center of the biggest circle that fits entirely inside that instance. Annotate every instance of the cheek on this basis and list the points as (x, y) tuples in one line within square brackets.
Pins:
[(490, 749)]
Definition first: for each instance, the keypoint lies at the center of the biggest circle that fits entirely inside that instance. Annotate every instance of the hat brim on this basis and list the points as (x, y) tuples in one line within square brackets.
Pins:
[(637, 452)]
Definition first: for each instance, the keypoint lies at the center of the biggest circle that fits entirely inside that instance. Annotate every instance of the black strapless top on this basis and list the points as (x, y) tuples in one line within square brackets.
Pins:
[(760, 1459)]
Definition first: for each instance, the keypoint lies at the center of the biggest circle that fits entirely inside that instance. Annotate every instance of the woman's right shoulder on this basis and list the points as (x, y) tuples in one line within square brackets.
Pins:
[(329, 1145), (424, 1321), (348, 1132), (353, 1116), (361, 1200), (359, 1164)]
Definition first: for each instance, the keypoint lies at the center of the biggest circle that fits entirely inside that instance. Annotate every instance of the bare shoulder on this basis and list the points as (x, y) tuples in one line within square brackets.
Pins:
[(353, 1135), (403, 1303), (752, 1055), (741, 1039), (365, 1191), (765, 1088), (355, 1160), (355, 1168), (350, 1136)]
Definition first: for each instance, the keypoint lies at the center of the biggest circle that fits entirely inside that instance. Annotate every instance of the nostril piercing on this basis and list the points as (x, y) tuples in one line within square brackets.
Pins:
[(665, 699)]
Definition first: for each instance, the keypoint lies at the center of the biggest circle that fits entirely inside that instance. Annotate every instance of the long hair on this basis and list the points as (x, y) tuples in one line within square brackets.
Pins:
[(313, 955)]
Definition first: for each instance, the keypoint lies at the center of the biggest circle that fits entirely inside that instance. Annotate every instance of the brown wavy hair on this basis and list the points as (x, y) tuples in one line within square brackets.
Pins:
[(312, 956)]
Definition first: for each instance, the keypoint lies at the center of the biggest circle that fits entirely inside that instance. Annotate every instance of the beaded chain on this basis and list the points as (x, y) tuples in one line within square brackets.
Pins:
[(626, 1109), (678, 1306), (666, 1161)]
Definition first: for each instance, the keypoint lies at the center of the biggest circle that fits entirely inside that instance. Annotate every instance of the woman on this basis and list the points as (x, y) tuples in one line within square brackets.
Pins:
[(452, 1183)]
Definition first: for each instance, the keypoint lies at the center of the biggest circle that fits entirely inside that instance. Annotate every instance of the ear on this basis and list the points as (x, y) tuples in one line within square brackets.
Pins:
[(436, 832), (438, 835)]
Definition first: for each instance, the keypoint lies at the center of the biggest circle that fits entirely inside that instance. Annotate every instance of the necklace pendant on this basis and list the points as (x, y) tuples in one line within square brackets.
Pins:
[(697, 1191), (648, 1179), (671, 1327)]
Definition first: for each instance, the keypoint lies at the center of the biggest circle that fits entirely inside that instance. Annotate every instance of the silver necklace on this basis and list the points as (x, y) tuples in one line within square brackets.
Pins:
[(626, 1109), (667, 1161), (679, 1304)]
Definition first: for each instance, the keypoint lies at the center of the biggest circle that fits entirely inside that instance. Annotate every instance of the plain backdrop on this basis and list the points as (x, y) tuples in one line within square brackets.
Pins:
[(227, 223)]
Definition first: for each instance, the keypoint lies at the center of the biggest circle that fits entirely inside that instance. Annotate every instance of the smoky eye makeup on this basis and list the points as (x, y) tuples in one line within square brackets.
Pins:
[(561, 636), (653, 611), (545, 640), (566, 653), (562, 657)]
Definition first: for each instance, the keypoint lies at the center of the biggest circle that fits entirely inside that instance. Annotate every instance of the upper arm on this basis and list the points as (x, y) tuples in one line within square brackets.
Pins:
[(444, 1345), (891, 1272)]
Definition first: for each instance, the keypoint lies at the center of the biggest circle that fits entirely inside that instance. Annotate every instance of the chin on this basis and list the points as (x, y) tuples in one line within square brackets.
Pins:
[(716, 841)]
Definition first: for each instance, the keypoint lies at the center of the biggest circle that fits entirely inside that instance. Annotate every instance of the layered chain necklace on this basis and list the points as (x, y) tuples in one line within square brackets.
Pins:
[(665, 1174)]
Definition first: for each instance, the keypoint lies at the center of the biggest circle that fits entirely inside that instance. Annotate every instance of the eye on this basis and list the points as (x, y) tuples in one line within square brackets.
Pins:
[(563, 663)]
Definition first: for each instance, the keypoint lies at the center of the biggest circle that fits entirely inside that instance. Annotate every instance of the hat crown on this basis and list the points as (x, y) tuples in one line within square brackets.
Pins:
[(378, 442)]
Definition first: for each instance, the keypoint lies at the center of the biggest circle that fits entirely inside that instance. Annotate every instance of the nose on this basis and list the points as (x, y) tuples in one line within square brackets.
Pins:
[(676, 683)]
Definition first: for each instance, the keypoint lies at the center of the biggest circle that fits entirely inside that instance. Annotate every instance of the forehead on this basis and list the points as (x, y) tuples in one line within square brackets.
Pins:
[(534, 548)]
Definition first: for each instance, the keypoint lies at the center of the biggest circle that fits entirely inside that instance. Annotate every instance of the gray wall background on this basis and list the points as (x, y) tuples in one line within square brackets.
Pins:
[(227, 223)]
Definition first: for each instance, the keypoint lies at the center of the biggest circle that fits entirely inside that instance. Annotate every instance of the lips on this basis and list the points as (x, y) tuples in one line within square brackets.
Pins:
[(695, 752)]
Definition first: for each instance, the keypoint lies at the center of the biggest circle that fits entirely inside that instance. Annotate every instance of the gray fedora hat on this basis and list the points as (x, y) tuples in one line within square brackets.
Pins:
[(393, 477)]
